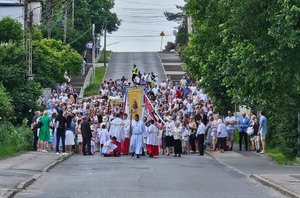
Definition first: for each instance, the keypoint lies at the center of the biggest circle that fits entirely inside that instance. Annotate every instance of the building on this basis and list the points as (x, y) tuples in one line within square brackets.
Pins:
[(15, 10)]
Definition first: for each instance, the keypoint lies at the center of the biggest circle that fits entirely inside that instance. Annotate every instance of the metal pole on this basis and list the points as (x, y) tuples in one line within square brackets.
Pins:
[(25, 24), (73, 13), (161, 43), (30, 75), (298, 134), (65, 22), (50, 20), (93, 54), (104, 55)]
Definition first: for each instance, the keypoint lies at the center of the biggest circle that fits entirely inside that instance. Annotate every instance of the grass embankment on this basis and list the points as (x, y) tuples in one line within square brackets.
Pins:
[(14, 140), (101, 59), (93, 88), (279, 158)]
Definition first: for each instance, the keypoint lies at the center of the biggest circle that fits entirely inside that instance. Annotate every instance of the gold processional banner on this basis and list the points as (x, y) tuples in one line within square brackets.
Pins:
[(135, 101)]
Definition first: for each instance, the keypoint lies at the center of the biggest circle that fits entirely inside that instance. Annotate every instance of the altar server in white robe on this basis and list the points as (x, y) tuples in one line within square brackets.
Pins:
[(152, 140), (117, 130), (126, 142), (136, 141)]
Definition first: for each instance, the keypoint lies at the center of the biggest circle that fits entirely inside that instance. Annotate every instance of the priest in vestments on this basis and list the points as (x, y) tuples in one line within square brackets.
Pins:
[(126, 142), (136, 141), (152, 140), (117, 130)]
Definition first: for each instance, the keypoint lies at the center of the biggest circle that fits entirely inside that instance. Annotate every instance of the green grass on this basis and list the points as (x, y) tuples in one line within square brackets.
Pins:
[(93, 88), (101, 59), (185, 67), (279, 158)]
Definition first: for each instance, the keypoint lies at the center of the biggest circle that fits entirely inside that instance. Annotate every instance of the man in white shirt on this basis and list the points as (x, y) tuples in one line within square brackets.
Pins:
[(200, 137), (117, 130), (136, 141), (152, 140), (183, 82)]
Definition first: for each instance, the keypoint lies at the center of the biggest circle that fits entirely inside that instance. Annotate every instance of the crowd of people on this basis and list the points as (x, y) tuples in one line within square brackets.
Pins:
[(184, 121)]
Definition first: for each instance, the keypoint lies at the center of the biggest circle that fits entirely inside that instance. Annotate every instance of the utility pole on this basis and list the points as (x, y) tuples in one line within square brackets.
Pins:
[(50, 20), (30, 74), (93, 54), (73, 13), (104, 48), (65, 22), (162, 34), (25, 33)]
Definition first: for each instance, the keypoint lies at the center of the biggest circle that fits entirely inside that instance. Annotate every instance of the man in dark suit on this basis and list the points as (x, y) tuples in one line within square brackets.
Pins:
[(243, 124), (86, 136)]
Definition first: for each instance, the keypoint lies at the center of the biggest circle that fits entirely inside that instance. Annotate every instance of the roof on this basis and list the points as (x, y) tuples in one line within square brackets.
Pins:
[(10, 4)]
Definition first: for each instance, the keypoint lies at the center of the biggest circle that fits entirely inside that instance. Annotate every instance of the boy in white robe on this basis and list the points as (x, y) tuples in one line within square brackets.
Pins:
[(117, 130), (109, 148), (152, 140), (103, 136)]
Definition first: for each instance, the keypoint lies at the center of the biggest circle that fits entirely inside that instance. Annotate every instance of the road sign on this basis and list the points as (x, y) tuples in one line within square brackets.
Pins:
[(162, 33)]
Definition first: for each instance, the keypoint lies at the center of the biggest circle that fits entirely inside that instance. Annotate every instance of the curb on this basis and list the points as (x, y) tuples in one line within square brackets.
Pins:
[(24, 184), (275, 186)]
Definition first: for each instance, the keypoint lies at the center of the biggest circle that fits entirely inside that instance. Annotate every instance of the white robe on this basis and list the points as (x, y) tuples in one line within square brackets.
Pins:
[(152, 135), (117, 129), (108, 147), (103, 136), (136, 141), (126, 128)]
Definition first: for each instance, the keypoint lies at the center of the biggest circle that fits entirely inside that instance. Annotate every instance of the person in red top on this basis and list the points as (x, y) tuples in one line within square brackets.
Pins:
[(178, 93)]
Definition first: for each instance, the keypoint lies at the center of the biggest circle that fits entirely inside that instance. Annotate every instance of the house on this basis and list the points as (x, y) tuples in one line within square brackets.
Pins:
[(15, 10)]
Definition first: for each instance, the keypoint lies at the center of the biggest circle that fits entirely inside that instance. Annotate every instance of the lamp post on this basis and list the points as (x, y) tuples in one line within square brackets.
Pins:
[(162, 34)]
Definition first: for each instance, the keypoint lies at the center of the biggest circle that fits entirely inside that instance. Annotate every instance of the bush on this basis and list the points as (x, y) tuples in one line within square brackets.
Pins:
[(14, 139)]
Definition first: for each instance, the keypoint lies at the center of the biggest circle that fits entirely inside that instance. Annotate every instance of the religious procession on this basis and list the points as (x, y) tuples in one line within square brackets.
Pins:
[(142, 117)]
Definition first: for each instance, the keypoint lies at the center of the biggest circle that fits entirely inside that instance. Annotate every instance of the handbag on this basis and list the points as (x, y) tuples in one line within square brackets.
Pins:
[(250, 130)]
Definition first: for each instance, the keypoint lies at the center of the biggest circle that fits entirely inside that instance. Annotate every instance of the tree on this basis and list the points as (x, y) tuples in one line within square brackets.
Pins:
[(182, 37), (23, 93), (6, 108), (52, 59), (11, 30), (250, 50)]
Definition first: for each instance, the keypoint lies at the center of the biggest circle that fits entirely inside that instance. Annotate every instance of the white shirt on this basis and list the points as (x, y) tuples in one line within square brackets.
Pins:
[(222, 130), (103, 135), (201, 129), (177, 133), (152, 135), (127, 128), (170, 128), (190, 107), (138, 127)]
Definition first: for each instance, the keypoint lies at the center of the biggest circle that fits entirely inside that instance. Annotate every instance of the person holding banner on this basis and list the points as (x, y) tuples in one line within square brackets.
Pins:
[(117, 130), (136, 141), (126, 142), (152, 140)]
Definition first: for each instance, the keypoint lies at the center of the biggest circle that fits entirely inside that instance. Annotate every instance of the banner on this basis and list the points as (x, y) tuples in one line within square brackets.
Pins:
[(135, 101)]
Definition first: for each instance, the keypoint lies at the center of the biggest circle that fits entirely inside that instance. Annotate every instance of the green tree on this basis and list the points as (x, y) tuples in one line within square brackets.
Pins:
[(6, 108), (13, 70), (52, 59), (250, 50), (11, 30)]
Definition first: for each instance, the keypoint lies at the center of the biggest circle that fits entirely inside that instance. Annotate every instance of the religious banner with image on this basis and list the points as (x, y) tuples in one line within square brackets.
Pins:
[(135, 101)]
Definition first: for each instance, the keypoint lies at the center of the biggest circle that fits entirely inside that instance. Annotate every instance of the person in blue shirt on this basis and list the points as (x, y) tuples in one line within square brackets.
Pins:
[(243, 124), (263, 130)]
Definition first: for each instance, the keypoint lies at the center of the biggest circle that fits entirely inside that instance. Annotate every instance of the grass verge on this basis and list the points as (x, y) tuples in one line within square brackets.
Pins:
[(93, 88), (101, 59), (279, 158)]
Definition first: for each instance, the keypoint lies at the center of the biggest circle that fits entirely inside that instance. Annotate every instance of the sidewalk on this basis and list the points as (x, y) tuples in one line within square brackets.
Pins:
[(285, 179), (16, 173)]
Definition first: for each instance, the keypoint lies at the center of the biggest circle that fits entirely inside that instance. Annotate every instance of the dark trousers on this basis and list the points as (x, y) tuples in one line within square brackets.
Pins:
[(200, 138), (35, 139), (86, 142), (133, 77), (61, 133), (192, 142), (177, 147), (245, 136)]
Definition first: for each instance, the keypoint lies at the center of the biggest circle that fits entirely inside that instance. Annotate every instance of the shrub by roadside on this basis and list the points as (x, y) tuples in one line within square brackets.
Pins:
[(14, 139)]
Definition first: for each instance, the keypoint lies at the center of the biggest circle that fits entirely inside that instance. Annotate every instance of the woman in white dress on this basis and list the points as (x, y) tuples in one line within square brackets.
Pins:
[(79, 136)]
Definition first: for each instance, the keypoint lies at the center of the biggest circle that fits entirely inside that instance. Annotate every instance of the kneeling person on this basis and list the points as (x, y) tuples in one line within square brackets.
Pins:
[(110, 148)]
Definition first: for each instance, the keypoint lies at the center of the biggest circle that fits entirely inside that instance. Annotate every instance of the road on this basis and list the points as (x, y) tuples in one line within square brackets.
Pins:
[(189, 176), (121, 63)]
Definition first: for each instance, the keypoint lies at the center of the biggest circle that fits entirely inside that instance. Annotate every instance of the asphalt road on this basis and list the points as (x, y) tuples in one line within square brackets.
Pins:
[(121, 64), (189, 176)]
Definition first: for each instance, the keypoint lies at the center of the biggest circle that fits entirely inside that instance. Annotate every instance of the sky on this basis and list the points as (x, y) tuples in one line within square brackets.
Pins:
[(142, 21)]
